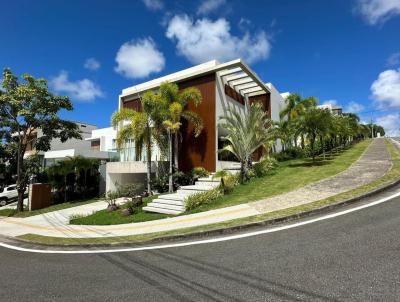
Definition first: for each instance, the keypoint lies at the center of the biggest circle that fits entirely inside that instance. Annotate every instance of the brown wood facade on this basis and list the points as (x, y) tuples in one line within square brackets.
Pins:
[(200, 151), (195, 151), (132, 104)]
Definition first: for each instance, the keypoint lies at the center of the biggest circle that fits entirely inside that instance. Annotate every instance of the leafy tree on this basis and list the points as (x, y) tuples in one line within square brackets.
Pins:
[(293, 112), (315, 124), (25, 107), (246, 133)]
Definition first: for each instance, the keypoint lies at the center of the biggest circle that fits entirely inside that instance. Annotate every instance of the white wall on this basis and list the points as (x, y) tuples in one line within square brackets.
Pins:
[(106, 136), (77, 144), (277, 104)]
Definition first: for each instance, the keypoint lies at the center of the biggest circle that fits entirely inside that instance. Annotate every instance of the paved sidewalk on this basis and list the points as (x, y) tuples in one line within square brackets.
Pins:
[(373, 164)]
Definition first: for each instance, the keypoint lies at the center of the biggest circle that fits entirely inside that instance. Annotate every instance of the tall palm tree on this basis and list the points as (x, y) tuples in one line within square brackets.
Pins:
[(315, 124), (143, 127), (246, 133), (177, 102), (295, 108)]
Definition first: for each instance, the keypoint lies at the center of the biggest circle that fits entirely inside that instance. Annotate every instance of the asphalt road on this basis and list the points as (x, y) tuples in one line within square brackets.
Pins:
[(354, 257)]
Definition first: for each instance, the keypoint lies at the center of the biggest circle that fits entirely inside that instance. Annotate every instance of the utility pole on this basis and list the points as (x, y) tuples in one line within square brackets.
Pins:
[(372, 128)]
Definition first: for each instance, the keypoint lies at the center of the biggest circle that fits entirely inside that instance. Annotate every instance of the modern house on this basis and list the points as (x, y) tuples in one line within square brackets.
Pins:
[(222, 85), (95, 143), (334, 109)]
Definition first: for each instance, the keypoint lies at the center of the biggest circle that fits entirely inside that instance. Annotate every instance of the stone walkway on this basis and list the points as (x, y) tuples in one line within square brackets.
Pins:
[(373, 164)]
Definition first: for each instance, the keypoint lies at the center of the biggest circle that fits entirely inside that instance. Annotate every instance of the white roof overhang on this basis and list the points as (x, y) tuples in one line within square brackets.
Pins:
[(234, 73)]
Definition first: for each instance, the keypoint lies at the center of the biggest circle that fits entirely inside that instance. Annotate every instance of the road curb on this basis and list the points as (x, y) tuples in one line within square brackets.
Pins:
[(215, 232)]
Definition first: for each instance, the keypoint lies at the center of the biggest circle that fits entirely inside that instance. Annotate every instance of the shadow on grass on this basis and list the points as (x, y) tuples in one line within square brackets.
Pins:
[(310, 163)]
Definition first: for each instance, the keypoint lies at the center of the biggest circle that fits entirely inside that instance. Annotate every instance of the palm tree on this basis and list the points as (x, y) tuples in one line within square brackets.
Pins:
[(295, 108), (143, 127), (246, 133), (63, 168), (283, 132), (315, 124), (177, 102)]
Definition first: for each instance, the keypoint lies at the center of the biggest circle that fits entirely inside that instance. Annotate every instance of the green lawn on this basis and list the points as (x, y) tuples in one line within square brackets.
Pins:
[(289, 175), (56, 207), (104, 217)]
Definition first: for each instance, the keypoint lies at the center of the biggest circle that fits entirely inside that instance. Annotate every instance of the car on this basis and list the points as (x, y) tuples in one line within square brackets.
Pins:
[(7, 194)]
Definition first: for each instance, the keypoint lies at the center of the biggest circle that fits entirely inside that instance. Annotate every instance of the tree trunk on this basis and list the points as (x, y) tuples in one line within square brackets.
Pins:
[(322, 146), (302, 142), (65, 188), (242, 171), (170, 179), (20, 187), (312, 141), (148, 166), (176, 150)]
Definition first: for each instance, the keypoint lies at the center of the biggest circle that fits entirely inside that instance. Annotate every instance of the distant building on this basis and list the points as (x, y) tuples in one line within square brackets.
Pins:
[(95, 143), (333, 108)]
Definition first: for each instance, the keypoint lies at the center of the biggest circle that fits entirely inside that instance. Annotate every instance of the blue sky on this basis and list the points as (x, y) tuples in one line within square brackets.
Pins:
[(343, 51)]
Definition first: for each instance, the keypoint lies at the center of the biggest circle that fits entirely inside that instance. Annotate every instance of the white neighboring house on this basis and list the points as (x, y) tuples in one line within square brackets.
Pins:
[(95, 143), (332, 108)]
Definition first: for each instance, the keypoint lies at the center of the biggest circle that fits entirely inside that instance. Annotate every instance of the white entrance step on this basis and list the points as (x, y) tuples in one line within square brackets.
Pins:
[(175, 203), (162, 210)]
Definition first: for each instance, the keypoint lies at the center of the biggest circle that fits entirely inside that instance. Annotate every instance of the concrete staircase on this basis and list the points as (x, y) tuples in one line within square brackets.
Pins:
[(175, 203)]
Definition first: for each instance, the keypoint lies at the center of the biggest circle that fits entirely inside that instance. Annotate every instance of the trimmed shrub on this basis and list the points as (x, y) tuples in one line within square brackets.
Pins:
[(229, 182), (264, 166), (202, 198), (292, 153), (198, 172)]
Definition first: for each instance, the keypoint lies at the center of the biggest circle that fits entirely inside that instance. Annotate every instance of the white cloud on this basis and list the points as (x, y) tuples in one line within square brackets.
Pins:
[(390, 122), (203, 40), (354, 107), (378, 11), (209, 6), (139, 58), (386, 89), (154, 4), (330, 102), (92, 64), (81, 90), (394, 59)]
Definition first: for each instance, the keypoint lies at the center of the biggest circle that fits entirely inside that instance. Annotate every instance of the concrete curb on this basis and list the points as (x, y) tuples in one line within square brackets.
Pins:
[(215, 232)]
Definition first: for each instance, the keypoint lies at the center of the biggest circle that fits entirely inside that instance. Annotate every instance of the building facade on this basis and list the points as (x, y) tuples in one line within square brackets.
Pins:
[(222, 86)]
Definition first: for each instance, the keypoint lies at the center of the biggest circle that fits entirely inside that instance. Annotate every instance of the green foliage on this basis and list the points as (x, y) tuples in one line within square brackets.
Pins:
[(73, 178), (264, 166), (25, 107), (246, 133), (291, 153), (229, 182), (202, 198), (130, 190), (111, 200), (198, 172)]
